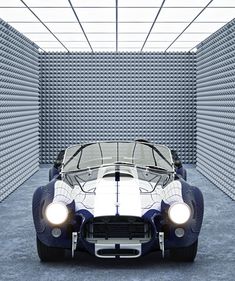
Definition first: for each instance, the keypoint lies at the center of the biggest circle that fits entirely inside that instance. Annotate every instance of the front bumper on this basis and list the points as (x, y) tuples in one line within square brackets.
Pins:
[(140, 240), (117, 249)]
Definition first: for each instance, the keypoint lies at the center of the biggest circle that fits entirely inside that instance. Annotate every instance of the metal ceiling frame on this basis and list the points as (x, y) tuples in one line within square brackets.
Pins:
[(80, 25), (117, 23), (97, 22), (109, 7), (189, 25), (116, 10), (45, 26), (152, 25)]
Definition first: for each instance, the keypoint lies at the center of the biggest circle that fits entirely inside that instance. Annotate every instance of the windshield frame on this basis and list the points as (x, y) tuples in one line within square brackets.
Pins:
[(151, 145)]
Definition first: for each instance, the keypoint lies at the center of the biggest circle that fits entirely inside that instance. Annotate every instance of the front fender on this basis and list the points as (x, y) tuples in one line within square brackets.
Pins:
[(193, 197), (42, 197)]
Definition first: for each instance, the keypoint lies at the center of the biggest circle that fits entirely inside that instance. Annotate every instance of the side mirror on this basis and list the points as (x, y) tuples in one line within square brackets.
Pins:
[(58, 163), (59, 159), (178, 163)]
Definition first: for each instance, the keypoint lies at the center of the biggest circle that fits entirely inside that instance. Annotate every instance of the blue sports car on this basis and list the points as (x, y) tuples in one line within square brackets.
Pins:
[(117, 199)]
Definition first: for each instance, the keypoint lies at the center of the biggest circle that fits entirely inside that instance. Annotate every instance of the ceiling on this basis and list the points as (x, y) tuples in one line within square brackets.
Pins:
[(117, 25)]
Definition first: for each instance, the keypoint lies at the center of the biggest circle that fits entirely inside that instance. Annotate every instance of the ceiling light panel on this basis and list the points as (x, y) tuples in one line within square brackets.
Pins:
[(204, 27), (132, 37), (169, 27), (99, 27), (93, 3), (81, 44), (178, 15), (188, 45), (154, 49), (162, 37), (223, 3), (101, 37), (47, 3), (55, 14), (96, 14), (29, 27), (84, 50), (15, 14), (49, 49), (64, 27), (35, 37), (178, 50), (104, 49), (126, 49), (157, 44), (70, 37), (135, 14), (139, 3), (103, 44), (54, 44), (186, 3), (130, 44), (193, 37), (11, 3), (217, 14), (133, 27)]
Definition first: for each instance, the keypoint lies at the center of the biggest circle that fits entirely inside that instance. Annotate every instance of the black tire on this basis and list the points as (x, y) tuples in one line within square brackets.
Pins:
[(184, 175), (49, 254), (186, 254), (51, 176)]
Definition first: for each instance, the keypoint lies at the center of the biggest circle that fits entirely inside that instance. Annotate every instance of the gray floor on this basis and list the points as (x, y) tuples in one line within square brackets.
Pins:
[(19, 261)]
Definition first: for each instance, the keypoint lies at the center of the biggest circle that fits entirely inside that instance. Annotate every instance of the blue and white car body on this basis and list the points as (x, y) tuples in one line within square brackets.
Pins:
[(117, 199)]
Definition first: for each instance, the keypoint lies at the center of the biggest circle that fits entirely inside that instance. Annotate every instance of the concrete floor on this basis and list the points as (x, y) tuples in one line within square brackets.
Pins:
[(19, 260)]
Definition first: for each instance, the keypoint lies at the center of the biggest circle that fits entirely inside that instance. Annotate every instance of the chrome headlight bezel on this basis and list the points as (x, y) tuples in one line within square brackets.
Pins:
[(56, 213), (179, 213)]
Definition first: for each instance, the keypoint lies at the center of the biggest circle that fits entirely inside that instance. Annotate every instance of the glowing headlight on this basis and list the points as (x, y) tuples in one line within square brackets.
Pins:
[(56, 213), (179, 213)]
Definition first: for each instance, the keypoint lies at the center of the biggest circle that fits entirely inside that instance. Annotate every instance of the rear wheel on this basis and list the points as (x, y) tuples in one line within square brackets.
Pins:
[(46, 253), (186, 254)]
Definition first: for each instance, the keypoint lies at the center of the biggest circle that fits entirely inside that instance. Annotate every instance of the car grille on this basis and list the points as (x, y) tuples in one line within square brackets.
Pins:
[(117, 227)]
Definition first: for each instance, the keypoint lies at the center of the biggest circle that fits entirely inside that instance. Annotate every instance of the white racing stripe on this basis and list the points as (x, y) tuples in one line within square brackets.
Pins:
[(105, 198), (129, 197), (117, 197)]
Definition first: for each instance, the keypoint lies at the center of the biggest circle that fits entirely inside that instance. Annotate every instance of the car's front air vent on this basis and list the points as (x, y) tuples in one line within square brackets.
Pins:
[(117, 227), (118, 252), (113, 175)]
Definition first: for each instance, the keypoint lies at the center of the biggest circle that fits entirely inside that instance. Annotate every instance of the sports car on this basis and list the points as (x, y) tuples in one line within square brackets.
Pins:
[(117, 199)]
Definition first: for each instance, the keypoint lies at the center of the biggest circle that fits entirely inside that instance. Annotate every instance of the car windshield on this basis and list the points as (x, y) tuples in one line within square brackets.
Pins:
[(141, 154)]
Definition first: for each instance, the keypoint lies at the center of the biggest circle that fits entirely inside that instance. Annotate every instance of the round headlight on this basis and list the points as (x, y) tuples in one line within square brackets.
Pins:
[(179, 213), (56, 213)]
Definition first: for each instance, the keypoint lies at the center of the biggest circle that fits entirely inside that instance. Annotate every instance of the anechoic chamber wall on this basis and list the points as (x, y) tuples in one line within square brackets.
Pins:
[(216, 108), (98, 96), (19, 109)]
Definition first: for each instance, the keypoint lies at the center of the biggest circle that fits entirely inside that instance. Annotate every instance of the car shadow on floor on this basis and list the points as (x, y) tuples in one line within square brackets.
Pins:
[(85, 260)]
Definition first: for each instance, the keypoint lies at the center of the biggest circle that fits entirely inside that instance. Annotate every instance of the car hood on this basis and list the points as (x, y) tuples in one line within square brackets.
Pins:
[(114, 195)]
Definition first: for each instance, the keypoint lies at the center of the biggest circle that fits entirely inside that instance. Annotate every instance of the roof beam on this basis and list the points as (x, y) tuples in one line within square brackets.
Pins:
[(45, 25), (80, 25), (152, 25), (188, 25)]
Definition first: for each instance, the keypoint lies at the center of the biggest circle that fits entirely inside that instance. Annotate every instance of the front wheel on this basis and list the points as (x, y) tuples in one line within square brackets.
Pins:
[(47, 254), (185, 254)]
